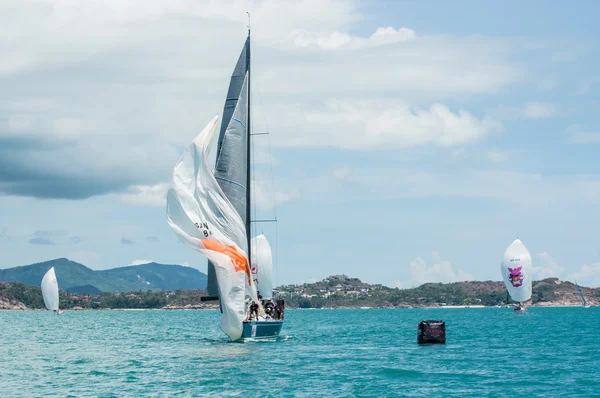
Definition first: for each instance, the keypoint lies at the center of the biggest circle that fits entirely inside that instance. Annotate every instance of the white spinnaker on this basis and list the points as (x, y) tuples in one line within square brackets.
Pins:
[(50, 290), (517, 271), (204, 219), (262, 266)]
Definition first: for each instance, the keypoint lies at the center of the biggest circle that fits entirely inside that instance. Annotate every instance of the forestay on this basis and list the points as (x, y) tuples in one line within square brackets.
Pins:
[(262, 266), (516, 271), (50, 290), (203, 218)]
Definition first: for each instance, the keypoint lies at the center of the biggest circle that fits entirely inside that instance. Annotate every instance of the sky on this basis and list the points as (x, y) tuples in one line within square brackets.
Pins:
[(409, 142)]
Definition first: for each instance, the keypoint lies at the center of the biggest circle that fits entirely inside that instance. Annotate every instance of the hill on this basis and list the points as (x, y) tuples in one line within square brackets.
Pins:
[(337, 291), (343, 291), (70, 275), (85, 289)]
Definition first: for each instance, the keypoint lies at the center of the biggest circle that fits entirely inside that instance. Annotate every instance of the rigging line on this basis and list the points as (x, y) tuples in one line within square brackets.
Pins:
[(276, 253), (273, 197), (253, 166)]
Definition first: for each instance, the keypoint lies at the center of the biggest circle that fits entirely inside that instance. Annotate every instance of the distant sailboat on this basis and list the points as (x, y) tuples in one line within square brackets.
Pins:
[(211, 212), (580, 295), (516, 272), (50, 291)]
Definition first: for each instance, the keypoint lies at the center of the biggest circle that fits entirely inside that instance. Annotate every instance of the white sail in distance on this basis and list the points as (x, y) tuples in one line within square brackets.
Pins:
[(204, 219), (50, 290), (262, 266), (517, 272)]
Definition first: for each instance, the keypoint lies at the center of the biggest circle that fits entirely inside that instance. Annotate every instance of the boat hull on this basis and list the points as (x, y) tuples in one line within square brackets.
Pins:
[(261, 329)]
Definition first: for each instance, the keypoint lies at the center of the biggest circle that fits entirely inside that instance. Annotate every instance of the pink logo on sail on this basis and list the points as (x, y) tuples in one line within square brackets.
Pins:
[(516, 277)]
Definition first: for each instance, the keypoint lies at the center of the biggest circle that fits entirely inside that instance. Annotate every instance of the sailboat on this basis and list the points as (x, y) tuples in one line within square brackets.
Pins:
[(210, 211), (50, 291), (516, 272), (580, 295)]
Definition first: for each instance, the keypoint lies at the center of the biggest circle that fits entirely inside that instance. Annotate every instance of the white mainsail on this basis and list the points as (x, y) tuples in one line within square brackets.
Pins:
[(517, 271), (262, 266), (204, 219), (50, 290)]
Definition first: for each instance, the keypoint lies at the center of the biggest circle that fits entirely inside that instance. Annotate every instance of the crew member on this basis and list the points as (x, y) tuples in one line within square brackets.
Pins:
[(253, 310), (269, 308), (280, 306)]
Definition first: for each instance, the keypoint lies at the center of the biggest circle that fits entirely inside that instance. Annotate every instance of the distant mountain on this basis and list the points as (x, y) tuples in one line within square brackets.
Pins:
[(72, 275), (85, 289)]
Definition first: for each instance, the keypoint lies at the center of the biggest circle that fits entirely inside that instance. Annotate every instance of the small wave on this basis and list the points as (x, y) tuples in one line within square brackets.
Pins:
[(98, 373), (214, 341), (402, 372), (134, 362)]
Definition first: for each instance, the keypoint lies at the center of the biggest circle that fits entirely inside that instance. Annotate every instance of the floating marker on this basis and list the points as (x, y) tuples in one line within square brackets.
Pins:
[(431, 332)]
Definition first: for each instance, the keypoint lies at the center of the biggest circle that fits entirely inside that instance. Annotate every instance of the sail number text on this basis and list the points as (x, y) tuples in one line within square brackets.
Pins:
[(203, 226)]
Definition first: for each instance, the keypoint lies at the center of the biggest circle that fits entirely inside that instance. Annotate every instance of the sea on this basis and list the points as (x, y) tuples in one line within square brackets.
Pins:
[(490, 352)]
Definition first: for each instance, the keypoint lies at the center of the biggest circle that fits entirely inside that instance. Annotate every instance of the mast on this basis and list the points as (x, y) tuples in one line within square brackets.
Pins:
[(248, 159)]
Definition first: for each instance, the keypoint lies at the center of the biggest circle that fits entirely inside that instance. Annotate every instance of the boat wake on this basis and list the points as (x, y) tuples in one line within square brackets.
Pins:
[(273, 339)]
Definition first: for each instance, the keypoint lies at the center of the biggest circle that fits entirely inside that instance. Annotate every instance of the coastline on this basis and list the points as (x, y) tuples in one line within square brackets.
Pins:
[(190, 307)]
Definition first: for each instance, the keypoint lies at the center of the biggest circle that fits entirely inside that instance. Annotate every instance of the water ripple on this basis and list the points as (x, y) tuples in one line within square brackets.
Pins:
[(490, 352)]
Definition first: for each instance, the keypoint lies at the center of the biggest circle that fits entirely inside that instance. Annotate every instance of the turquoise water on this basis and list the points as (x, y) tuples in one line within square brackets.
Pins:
[(489, 352)]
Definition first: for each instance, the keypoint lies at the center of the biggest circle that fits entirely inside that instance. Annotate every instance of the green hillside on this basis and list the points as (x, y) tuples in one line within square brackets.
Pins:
[(70, 274)]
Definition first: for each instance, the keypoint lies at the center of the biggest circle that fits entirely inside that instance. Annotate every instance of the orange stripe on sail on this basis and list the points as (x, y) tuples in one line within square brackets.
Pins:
[(239, 261)]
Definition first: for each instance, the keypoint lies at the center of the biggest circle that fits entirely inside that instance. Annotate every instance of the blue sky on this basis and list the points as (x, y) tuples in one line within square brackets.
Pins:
[(410, 141)]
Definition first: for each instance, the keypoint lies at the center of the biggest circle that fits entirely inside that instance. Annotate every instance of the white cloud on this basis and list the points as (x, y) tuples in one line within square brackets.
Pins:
[(148, 195), (264, 157), (424, 68), (546, 266), (140, 262), (539, 110), (156, 91), (588, 275), (362, 125), (579, 135), (284, 197), (264, 198), (547, 82), (582, 137), (155, 195), (529, 111), (342, 173), (335, 40), (439, 271), (48, 32), (525, 190), (498, 156)]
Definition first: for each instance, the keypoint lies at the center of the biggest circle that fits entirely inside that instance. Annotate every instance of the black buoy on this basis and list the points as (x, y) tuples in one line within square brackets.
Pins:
[(431, 332)]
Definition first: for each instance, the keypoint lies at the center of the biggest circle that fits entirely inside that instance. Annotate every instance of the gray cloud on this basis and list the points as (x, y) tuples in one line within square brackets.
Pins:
[(126, 241), (75, 239), (56, 141), (41, 241)]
